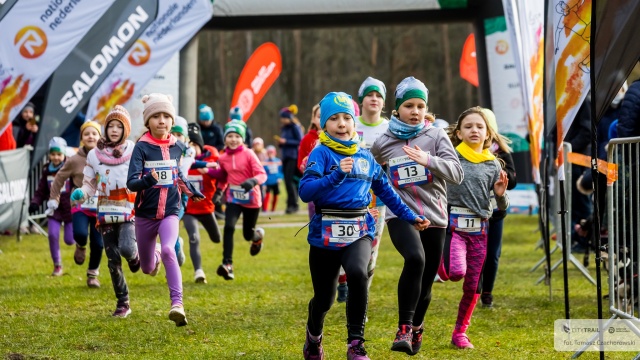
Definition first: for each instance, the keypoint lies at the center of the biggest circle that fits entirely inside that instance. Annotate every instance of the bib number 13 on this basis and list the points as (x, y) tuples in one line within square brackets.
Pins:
[(410, 171)]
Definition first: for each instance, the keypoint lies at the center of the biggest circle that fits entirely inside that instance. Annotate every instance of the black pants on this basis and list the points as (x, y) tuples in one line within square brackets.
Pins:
[(84, 226), (249, 220), (422, 252), (289, 168), (119, 241), (324, 266)]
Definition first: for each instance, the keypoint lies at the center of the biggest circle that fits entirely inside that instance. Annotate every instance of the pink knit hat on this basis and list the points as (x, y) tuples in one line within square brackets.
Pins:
[(156, 103)]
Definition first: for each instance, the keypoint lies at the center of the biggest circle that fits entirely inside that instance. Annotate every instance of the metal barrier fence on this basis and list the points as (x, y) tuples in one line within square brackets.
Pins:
[(556, 219), (623, 223)]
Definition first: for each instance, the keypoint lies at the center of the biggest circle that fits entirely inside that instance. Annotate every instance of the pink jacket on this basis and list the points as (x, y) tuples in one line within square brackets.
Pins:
[(236, 166)]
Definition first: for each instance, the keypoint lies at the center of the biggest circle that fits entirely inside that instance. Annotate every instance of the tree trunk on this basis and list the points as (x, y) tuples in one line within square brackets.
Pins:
[(448, 82), (297, 65)]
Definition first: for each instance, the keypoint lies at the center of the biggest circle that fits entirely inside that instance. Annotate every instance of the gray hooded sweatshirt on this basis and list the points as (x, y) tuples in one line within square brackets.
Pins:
[(428, 199)]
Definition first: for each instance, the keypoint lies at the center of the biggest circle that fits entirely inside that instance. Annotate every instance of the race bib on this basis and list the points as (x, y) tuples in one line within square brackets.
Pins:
[(196, 181), (494, 202), (273, 168), (239, 196), (167, 171), (465, 220), (63, 189), (405, 172), (114, 214), (339, 231), (90, 204)]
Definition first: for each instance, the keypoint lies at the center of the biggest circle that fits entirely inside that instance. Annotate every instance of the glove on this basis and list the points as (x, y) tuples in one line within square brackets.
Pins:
[(77, 195), (33, 208), (217, 197), (52, 205), (249, 184)]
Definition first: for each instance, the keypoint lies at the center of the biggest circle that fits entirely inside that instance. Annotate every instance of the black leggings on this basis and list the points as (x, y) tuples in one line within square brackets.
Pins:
[(422, 252), (289, 169), (324, 266), (249, 220)]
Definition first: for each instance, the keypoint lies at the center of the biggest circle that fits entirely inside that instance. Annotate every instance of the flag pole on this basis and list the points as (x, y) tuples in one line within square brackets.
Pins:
[(594, 171)]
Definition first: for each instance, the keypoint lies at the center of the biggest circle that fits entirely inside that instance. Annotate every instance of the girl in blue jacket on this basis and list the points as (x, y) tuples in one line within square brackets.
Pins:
[(337, 179)]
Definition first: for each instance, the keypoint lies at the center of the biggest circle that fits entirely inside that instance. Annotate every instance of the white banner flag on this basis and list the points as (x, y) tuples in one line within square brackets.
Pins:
[(37, 35), (525, 22), (177, 22)]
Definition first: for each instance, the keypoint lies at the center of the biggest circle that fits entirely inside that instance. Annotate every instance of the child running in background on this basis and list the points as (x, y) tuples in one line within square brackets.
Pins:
[(421, 159), (273, 168), (156, 178), (57, 151), (469, 211), (500, 148), (308, 142), (338, 177), (84, 215), (369, 126), (241, 169), (201, 211), (108, 163)]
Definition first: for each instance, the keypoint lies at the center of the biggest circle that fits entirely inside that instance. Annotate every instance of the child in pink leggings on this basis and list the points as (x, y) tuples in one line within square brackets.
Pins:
[(469, 210)]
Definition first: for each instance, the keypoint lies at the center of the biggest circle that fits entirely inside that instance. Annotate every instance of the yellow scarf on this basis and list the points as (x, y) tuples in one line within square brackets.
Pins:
[(473, 156), (341, 147)]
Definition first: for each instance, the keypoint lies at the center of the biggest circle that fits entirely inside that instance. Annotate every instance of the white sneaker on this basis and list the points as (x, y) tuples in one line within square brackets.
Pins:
[(200, 277), (438, 279), (155, 271), (177, 315)]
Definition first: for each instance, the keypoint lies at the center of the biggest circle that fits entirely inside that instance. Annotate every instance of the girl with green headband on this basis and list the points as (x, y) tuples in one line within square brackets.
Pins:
[(421, 162)]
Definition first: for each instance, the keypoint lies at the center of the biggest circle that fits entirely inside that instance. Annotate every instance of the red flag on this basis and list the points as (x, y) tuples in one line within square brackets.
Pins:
[(259, 73), (468, 63)]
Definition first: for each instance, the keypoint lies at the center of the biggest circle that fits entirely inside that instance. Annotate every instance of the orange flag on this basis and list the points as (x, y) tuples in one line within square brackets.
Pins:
[(468, 63), (259, 73)]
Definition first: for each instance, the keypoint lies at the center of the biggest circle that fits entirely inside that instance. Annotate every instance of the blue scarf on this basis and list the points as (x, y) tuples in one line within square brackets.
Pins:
[(403, 130), (53, 169)]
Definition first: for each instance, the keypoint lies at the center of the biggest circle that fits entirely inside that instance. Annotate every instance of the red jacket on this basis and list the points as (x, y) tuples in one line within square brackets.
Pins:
[(307, 144), (205, 183)]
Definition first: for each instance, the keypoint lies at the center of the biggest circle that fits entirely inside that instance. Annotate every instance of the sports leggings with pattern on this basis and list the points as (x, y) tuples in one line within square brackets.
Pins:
[(463, 257), (422, 251)]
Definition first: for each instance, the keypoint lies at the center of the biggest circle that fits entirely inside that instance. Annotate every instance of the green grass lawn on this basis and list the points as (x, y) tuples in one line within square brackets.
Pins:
[(262, 313)]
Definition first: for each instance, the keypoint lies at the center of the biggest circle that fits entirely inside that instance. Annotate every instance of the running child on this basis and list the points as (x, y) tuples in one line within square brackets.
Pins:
[(469, 211), (369, 126), (500, 148), (156, 178), (57, 151), (202, 211), (338, 177), (273, 168), (83, 215), (180, 131), (421, 161), (241, 169), (108, 164)]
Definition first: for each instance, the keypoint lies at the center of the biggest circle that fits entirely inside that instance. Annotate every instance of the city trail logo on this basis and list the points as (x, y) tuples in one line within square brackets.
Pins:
[(595, 334), (31, 42)]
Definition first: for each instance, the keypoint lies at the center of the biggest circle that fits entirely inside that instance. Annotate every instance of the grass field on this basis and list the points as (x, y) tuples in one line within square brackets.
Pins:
[(262, 313)]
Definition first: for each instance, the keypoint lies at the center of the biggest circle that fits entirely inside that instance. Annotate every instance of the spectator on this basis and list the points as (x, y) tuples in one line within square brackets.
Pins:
[(26, 125), (289, 139), (629, 120), (210, 130)]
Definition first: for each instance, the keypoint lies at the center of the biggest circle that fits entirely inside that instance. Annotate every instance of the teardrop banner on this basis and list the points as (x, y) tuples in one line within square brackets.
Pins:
[(259, 73)]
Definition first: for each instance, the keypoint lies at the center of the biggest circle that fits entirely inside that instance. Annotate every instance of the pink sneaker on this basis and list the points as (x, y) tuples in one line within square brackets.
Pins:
[(461, 340), (312, 350), (57, 270), (356, 351)]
